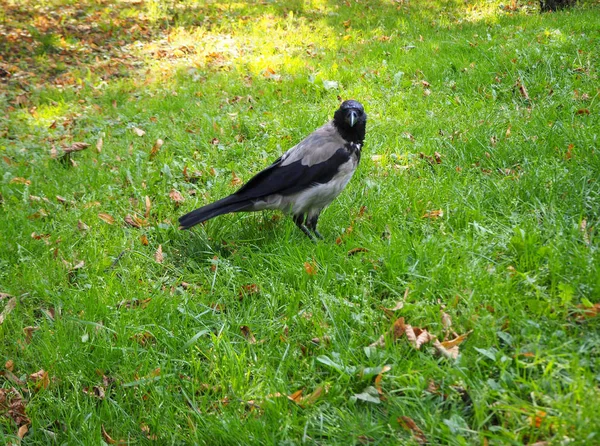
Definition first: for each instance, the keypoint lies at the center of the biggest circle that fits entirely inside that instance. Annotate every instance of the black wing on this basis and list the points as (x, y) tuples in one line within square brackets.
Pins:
[(293, 177)]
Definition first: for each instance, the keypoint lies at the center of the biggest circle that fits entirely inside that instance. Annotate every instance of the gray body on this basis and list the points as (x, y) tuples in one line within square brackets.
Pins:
[(305, 179)]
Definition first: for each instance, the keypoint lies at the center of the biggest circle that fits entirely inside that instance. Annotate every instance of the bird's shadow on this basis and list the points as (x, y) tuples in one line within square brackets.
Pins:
[(230, 233)]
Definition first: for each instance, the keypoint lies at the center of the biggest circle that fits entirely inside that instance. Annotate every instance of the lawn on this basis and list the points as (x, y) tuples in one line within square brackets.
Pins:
[(454, 300)]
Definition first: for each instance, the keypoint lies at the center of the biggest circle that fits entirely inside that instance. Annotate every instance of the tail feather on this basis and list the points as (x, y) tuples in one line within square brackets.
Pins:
[(220, 207)]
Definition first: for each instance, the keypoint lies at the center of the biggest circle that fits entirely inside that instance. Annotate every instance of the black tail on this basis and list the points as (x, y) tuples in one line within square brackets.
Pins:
[(226, 205)]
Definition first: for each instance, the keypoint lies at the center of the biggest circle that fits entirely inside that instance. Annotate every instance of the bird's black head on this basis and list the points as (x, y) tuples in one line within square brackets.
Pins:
[(351, 120)]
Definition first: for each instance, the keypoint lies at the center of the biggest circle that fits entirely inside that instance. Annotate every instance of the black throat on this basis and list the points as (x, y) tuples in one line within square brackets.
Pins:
[(354, 134)]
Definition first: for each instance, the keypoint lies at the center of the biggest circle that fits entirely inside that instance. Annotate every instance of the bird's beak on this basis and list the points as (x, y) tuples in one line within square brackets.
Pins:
[(352, 118)]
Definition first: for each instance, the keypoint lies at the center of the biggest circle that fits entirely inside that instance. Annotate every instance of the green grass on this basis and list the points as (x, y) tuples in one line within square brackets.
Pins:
[(514, 257)]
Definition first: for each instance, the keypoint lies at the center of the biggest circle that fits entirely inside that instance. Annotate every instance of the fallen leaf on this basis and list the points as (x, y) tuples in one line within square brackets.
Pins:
[(433, 214), (176, 196), (22, 431), (148, 206), (248, 290), (96, 391), (10, 305), (5, 296), (536, 421), (134, 303), (296, 397), (313, 397), (41, 379), (586, 311), (131, 222), (378, 378), (417, 336), (13, 405), (522, 89), (446, 320), (408, 424), (248, 334), (106, 218), (310, 268), (138, 132), (156, 147), (143, 338), (584, 231), (235, 180), (9, 365), (109, 439), (99, 145), (369, 395), (450, 348), (82, 226), (20, 180), (397, 329), (583, 111), (144, 240), (76, 147), (28, 331), (356, 251), (158, 255)]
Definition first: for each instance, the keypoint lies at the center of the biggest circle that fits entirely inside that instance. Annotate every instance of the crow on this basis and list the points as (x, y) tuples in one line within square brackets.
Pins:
[(305, 179)]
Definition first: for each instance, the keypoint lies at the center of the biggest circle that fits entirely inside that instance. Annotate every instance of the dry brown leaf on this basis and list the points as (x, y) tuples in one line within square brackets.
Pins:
[(138, 132), (107, 218), (144, 240), (537, 420), (96, 391), (433, 214), (176, 196), (20, 180), (41, 378), (397, 329), (296, 397), (587, 311), (313, 397), (13, 405), (76, 147), (132, 222), (248, 290), (584, 231), (158, 255), (109, 439), (522, 89), (408, 424), (9, 365), (22, 431), (356, 251), (28, 331), (148, 206), (248, 334), (235, 180), (134, 303), (446, 320), (10, 305), (156, 147), (449, 349), (82, 226), (378, 378), (143, 338), (5, 296), (311, 268), (583, 111), (417, 336)]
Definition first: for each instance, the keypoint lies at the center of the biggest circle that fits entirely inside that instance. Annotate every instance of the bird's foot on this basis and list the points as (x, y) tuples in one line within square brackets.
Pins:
[(307, 232), (318, 234)]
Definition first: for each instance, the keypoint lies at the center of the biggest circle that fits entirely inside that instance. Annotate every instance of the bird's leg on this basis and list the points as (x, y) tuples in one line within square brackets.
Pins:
[(311, 223), (299, 220)]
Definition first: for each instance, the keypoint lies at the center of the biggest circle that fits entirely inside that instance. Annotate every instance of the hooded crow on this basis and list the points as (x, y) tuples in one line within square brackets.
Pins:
[(305, 179)]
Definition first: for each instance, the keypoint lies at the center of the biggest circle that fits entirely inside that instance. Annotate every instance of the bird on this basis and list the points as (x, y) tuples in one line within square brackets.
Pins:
[(305, 179)]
